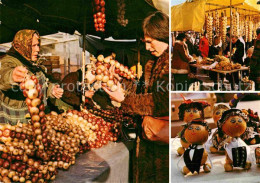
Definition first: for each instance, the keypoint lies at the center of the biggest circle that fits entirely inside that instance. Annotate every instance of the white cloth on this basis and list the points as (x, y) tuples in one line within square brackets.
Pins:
[(236, 142)]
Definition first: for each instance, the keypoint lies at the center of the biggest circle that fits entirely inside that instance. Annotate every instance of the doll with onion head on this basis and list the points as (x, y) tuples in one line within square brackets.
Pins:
[(218, 139), (188, 111), (195, 156), (234, 124)]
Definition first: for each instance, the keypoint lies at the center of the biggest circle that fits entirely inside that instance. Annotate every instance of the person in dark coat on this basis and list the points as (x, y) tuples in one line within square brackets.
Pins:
[(237, 57), (255, 62), (240, 50)]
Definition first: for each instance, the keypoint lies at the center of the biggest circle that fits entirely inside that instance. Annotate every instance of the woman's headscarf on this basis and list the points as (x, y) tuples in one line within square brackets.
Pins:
[(22, 42)]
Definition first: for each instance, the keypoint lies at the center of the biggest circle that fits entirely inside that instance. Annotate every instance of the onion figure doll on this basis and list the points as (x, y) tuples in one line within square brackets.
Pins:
[(234, 124), (188, 111), (196, 133), (218, 139)]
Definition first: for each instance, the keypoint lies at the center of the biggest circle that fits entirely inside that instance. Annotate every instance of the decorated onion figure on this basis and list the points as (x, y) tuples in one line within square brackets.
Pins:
[(234, 124), (188, 111), (196, 133), (218, 139)]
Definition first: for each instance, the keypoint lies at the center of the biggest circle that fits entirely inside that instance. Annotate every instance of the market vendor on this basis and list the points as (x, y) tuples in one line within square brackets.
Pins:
[(20, 61), (152, 105), (255, 62)]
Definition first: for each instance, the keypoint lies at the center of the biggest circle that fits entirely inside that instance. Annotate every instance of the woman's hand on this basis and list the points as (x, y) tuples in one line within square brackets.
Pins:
[(57, 91), (117, 95), (89, 93), (112, 72), (19, 74)]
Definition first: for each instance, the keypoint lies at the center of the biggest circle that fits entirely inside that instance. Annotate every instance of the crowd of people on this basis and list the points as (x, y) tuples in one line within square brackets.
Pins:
[(190, 44)]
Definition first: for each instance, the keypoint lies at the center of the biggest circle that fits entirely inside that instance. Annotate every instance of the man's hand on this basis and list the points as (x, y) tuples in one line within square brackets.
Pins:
[(57, 91), (19, 74), (89, 93), (117, 95)]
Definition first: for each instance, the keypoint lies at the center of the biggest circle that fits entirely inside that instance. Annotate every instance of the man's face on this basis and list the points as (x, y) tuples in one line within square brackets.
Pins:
[(154, 46), (35, 47), (234, 40)]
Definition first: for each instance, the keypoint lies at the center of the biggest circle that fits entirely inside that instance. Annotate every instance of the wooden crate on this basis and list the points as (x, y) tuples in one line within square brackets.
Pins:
[(55, 60)]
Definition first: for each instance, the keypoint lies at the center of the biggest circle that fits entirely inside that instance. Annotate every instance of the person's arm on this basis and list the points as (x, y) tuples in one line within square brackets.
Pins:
[(6, 74), (71, 95), (183, 54)]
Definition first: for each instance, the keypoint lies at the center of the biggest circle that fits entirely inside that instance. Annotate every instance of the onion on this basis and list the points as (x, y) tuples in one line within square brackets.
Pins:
[(41, 114), (28, 101), (6, 132), (42, 107), (35, 102), (22, 86), (35, 118), (105, 79), (34, 110), (112, 62), (32, 93), (29, 84), (98, 71), (107, 59), (122, 68), (117, 64), (99, 77), (22, 179), (100, 58), (38, 131)]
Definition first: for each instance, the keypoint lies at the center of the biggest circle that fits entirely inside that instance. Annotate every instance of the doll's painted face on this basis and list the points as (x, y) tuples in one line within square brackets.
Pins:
[(191, 114), (217, 115), (234, 126), (196, 134)]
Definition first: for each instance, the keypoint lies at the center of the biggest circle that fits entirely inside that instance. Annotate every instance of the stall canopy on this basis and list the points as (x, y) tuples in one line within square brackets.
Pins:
[(191, 15), (51, 16), (188, 16)]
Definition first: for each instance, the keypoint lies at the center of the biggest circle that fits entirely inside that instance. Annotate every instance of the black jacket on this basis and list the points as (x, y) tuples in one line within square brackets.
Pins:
[(240, 51)]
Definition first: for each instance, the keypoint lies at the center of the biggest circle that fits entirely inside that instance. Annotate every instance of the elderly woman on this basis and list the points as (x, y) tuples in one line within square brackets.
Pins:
[(20, 61), (152, 149)]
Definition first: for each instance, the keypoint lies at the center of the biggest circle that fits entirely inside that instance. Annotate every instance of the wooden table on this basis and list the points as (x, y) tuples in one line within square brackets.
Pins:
[(204, 67)]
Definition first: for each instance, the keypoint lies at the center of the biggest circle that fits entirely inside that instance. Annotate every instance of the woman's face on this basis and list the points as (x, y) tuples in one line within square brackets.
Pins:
[(35, 47), (154, 46)]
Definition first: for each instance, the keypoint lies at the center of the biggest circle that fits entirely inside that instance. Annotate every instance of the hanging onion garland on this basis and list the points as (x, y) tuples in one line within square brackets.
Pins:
[(99, 15), (34, 152), (101, 66)]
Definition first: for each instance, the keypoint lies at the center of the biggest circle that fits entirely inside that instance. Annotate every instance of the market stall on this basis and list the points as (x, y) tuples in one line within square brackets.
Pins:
[(216, 18), (35, 148)]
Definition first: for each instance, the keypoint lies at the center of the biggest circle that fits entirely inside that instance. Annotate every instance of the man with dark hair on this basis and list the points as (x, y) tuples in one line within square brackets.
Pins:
[(255, 62)]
